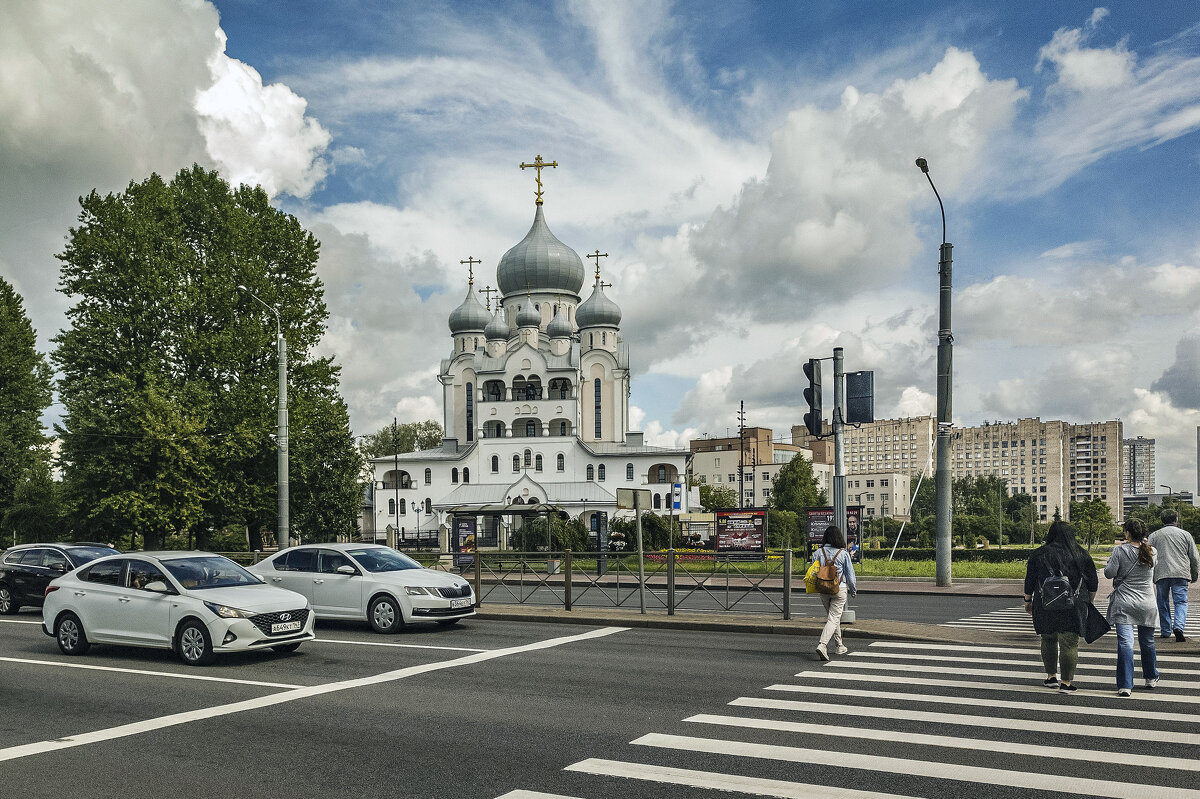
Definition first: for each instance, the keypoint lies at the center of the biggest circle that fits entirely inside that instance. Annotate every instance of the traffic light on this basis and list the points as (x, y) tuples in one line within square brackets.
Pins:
[(860, 397), (812, 395)]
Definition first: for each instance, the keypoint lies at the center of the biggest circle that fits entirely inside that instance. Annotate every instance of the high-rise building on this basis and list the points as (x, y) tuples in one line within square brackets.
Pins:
[(1137, 460)]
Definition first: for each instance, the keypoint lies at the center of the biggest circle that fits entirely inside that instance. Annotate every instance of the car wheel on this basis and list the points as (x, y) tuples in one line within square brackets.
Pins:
[(8, 603), (68, 631), (384, 615), (285, 648), (447, 622), (195, 647)]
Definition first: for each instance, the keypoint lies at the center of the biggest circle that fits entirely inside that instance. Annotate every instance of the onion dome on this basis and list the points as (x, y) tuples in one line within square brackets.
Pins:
[(540, 262), (560, 326), (528, 316), (598, 310), (497, 329), (471, 316)]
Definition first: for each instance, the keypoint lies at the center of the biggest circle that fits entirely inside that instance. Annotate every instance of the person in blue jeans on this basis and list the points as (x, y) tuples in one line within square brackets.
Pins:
[(1132, 605), (1178, 564)]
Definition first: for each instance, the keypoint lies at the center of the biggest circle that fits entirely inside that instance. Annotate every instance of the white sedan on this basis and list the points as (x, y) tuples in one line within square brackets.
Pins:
[(195, 603), (367, 581)]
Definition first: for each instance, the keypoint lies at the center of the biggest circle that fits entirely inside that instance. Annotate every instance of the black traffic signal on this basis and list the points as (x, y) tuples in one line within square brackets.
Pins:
[(860, 397), (812, 395)]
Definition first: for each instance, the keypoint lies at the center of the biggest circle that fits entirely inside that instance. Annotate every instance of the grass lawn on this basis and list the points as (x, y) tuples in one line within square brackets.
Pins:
[(926, 568)]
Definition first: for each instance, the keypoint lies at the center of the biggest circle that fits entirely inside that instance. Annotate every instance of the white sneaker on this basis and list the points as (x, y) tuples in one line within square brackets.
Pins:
[(841, 650), (821, 652), (1152, 682), (1124, 692)]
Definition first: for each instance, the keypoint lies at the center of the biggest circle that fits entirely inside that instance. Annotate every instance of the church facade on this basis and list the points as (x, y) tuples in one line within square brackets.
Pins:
[(536, 408)]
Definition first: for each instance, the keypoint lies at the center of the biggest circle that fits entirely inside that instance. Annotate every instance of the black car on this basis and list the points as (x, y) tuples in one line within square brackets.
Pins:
[(26, 570)]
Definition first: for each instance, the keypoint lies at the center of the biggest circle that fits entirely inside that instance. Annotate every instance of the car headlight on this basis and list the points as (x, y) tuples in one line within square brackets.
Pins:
[(226, 612), (419, 590)]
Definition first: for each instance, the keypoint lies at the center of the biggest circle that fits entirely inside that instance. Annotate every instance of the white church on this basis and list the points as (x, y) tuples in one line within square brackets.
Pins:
[(536, 409)]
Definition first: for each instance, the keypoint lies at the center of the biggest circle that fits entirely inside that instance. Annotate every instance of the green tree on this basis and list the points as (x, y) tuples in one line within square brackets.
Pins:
[(1094, 521), (406, 437), (35, 513), (169, 369), (795, 487), (783, 529), (24, 394), (717, 497)]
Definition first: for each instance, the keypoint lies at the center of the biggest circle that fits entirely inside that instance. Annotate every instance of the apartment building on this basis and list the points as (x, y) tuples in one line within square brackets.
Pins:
[(751, 462), (1137, 463), (886, 445)]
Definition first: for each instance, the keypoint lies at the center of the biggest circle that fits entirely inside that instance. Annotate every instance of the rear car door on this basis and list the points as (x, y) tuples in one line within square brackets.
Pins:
[(336, 594), (294, 570), (54, 564), (29, 578), (96, 600)]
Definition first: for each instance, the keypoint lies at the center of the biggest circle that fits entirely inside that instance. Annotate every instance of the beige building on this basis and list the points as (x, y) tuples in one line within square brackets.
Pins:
[(887, 445), (880, 493), (1137, 466), (716, 461)]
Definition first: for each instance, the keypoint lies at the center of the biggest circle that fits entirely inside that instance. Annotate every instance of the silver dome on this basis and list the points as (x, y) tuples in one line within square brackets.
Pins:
[(528, 316), (497, 329), (560, 326), (598, 310), (471, 316), (540, 262)]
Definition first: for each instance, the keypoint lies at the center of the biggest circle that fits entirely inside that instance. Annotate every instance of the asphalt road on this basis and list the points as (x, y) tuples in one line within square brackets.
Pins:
[(521, 710)]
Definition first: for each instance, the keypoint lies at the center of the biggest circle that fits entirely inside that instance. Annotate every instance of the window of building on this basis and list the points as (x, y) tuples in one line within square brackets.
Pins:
[(591, 472), (495, 464), (391, 507), (766, 476), (428, 505), (516, 463), (732, 478), (600, 471), (403, 507), (530, 428), (629, 471), (537, 463), (658, 501), (454, 475), (562, 428), (870, 484), (428, 476), (883, 483), (466, 475), (662, 474), (471, 408), (528, 458), (562, 463), (596, 388)]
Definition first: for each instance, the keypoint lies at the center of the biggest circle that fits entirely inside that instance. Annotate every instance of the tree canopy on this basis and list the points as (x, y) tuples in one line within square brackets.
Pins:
[(718, 497), (795, 488), (406, 437), (170, 369)]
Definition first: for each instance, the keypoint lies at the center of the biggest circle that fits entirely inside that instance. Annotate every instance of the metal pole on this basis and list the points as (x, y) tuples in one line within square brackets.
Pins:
[(396, 481), (567, 579), (671, 581), (284, 504), (637, 512), (839, 464), (742, 454), (787, 583)]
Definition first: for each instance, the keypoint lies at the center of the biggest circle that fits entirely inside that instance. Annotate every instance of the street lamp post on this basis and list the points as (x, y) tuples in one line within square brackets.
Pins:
[(945, 373), (1170, 491), (281, 422)]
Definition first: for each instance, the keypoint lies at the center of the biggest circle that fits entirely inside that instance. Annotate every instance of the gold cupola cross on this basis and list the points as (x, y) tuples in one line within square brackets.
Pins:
[(538, 164), (598, 255), (470, 262)]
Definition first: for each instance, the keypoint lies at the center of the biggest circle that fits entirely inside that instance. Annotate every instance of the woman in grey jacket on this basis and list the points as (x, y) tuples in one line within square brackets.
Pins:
[(1133, 605), (833, 550)]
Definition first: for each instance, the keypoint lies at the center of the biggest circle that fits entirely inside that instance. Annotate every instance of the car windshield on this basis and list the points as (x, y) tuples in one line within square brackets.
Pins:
[(209, 571), (82, 555), (381, 559)]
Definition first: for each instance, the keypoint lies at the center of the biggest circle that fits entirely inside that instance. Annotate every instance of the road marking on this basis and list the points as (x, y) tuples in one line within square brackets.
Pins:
[(1162, 655), (175, 719), (961, 660), (987, 686), (1035, 672), (400, 646), (757, 786), (1073, 785), (145, 672), (954, 742)]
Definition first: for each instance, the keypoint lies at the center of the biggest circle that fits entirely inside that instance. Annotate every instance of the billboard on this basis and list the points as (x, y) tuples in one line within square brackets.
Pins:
[(742, 530), (464, 541), (820, 518)]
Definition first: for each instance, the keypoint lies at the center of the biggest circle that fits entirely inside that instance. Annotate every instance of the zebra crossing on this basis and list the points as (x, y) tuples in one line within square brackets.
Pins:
[(1015, 621), (901, 720)]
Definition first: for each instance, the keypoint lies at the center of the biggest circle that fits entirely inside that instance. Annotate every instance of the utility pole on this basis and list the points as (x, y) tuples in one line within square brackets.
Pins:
[(742, 454), (396, 477), (281, 436), (945, 388), (839, 461)]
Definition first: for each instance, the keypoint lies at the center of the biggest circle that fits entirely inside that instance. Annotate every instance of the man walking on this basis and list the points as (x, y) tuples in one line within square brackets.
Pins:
[(1178, 564)]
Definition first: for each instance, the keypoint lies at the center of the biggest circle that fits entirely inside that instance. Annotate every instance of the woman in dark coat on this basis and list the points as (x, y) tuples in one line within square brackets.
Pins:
[(1062, 555)]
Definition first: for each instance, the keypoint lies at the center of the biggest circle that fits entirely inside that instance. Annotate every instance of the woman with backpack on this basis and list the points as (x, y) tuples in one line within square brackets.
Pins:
[(1133, 604), (1060, 581), (833, 553)]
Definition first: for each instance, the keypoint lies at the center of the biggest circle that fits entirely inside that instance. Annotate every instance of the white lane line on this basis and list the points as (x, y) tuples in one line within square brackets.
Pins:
[(399, 646), (19, 621), (1142, 696), (1162, 655), (733, 783), (954, 742), (995, 722), (145, 672), (1035, 672), (41, 747), (1182, 717), (1073, 785)]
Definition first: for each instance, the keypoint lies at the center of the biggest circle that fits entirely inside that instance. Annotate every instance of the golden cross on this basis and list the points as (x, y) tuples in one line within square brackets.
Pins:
[(489, 291), (597, 255), (470, 262), (539, 164)]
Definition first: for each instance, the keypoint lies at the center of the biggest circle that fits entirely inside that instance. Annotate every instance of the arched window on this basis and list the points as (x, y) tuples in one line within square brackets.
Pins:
[(562, 463), (454, 475), (603, 338), (600, 472), (591, 472), (562, 428), (471, 407), (516, 463), (662, 474), (428, 505), (495, 463), (531, 428), (403, 507), (658, 501), (537, 463), (391, 507), (528, 457), (466, 475), (629, 471), (428, 476), (597, 390)]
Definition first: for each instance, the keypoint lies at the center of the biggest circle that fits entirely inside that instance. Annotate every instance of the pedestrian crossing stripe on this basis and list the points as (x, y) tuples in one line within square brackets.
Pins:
[(1164, 656), (1033, 664), (1036, 672), (1073, 785), (1016, 620), (994, 722), (956, 742)]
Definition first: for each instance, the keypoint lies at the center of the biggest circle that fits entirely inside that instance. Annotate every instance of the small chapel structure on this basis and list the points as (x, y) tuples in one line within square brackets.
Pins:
[(536, 409)]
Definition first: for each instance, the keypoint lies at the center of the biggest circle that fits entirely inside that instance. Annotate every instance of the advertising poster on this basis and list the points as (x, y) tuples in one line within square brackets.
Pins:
[(742, 531), (464, 541), (820, 518)]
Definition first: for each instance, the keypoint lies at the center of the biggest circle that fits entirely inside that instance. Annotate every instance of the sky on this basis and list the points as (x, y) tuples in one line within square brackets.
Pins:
[(748, 166)]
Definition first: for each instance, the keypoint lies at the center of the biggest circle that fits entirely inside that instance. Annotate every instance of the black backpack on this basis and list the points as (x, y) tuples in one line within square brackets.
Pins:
[(1057, 595)]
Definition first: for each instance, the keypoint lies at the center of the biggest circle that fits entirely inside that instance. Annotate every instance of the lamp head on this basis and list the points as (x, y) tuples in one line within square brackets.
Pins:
[(924, 165), (242, 288)]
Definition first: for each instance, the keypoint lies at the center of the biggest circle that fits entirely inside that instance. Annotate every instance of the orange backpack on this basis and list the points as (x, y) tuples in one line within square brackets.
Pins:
[(828, 580)]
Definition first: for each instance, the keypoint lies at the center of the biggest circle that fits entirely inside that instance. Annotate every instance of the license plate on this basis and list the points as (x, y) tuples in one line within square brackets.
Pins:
[(286, 626), (459, 603)]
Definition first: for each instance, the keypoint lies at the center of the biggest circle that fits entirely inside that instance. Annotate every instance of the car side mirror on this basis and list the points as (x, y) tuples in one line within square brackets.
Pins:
[(262, 578), (159, 587), (347, 570), (61, 568)]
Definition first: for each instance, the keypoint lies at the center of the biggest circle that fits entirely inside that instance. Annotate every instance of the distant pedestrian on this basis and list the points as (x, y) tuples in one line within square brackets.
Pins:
[(1132, 605), (1060, 579), (833, 550), (1178, 564)]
